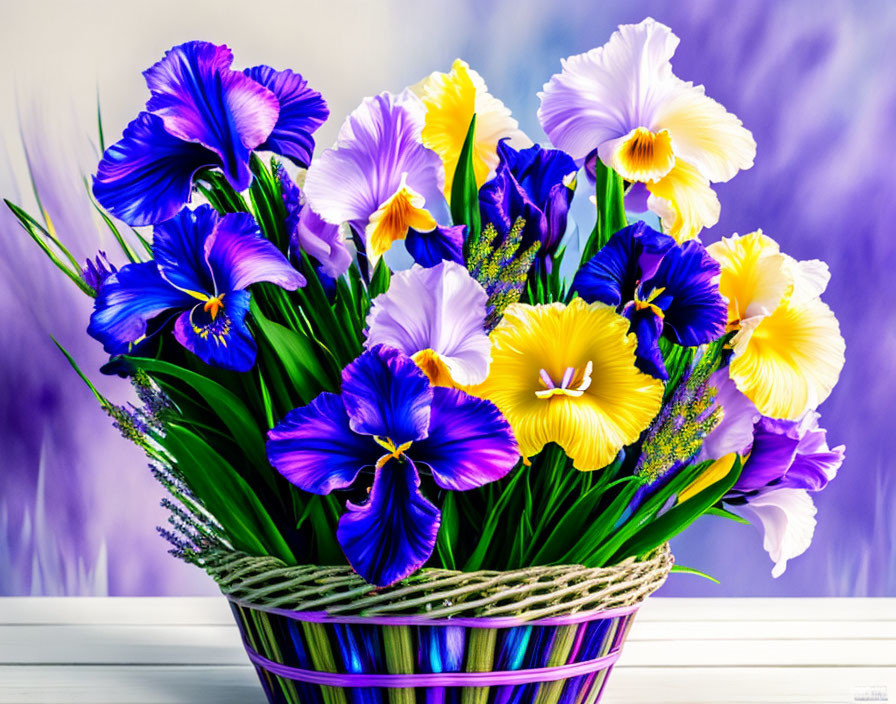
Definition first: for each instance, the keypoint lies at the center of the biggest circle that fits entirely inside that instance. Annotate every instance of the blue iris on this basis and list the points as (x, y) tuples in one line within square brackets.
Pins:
[(203, 265), (201, 115), (664, 288)]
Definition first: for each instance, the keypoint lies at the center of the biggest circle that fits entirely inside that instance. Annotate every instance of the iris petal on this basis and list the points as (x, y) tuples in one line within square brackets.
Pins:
[(441, 244), (147, 176), (696, 313), (302, 111), (219, 338), (178, 246), (240, 256), (200, 99), (469, 443), (648, 328), (387, 395), (394, 532), (128, 300), (314, 448)]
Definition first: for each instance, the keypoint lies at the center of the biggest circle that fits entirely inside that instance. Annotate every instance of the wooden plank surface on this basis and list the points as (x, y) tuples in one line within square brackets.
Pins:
[(681, 651)]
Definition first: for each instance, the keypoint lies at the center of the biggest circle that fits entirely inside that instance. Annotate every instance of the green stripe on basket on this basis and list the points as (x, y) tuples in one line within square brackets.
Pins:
[(322, 657), (272, 651), (480, 658), (399, 660), (564, 639)]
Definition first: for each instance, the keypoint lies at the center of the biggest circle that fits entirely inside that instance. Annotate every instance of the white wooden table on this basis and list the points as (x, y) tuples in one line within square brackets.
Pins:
[(682, 651)]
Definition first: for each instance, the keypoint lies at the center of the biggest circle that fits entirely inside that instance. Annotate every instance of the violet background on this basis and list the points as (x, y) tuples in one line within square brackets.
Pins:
[(813, 81)]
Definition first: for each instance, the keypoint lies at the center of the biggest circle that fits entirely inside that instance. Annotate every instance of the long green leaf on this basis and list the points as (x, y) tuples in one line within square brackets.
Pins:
[(226, 495), (676, 519), (610, 196), (227, 405), (464, 192)]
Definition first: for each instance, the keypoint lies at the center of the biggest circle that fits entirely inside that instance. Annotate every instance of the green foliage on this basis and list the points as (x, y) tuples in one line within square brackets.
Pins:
[(609, 193), (464, 192)]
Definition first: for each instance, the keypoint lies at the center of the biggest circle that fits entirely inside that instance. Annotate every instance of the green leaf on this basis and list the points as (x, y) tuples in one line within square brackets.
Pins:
[(464, 192), (690, 570), (227, 405), (226, 495), (295, 352), (103, 401), (448, 531), (609, 192), (723, 513), (676, 519), (491, 523), (380, 279)]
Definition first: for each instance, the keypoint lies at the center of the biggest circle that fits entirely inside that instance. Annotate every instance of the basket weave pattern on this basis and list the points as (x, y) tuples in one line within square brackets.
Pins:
[(544, 635)]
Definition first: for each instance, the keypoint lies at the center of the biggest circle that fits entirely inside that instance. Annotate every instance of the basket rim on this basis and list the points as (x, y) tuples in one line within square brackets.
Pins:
[(529, 595)]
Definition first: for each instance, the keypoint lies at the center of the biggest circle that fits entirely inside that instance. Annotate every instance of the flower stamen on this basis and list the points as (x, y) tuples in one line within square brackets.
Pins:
[(574, 383)]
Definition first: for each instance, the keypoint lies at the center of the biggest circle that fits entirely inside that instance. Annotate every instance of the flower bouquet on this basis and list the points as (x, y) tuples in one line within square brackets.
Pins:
[(429, 440)]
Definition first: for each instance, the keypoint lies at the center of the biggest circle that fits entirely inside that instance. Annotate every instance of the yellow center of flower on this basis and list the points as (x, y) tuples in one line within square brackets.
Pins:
[(393, 452), (402, 210), (644, 155), (434, 367), (573, 383), (213, 305), (648, 302)]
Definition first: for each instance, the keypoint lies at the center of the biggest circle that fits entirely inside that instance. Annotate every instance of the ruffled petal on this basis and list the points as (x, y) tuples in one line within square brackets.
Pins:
[(815, 463), (219, 335), (442, 309), (609, 91), (684, 201), (178, 246), (378, 144), (792, 360), (648, 328), (451, 99), (631, 255), (128, 300), (323, 241), (774, 447), (734, 434), (441, 244), (703, 133), (315, 449), (755, 278), (147, 176), (302, 111), (394, 532), (697, 313), (786, 518), (239, 256), (200, 99), (386, 395), (469, 443)]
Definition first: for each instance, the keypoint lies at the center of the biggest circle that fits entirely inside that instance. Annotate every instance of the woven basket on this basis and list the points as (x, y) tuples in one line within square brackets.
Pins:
[(543, 635)]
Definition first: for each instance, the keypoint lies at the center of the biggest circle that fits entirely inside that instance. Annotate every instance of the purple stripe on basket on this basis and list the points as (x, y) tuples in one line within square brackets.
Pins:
[(433, 679), (422, 620)]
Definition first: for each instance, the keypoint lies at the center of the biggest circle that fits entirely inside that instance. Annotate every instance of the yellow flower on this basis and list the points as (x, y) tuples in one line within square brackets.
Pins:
[(566, 374), (451, 99), (788, 351)]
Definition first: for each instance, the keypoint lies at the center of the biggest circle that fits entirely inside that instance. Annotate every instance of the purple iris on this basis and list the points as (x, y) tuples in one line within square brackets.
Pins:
[(97, 270), (203, 114), (786, 454), (387, 414), (444, 243), (535, 184), (664, 288), (203, 265)]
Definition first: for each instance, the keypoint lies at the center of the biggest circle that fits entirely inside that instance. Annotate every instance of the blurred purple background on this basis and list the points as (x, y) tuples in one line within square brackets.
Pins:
[(813, 81)]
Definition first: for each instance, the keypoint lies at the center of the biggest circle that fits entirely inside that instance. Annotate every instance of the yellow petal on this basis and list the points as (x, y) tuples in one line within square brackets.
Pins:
[(451, 99), (402, 210), (611, 412), (640, 155), (791, 360), (755, 278), (685, 201), (704, 133), (716, 471), (434, 367)]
